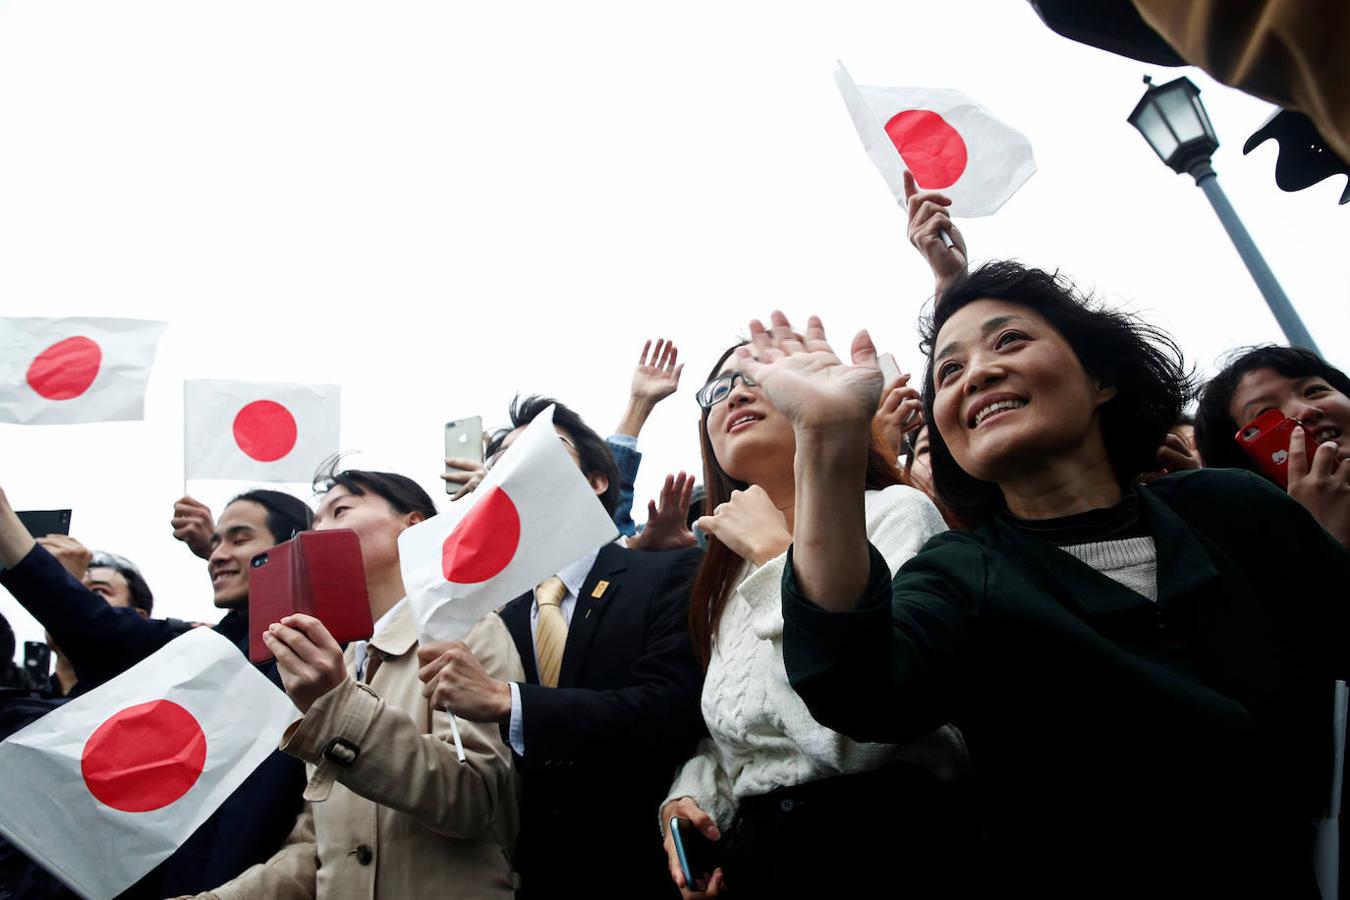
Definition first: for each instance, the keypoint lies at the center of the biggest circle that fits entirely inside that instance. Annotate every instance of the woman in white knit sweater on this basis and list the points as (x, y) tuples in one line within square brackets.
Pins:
[(791, 804)]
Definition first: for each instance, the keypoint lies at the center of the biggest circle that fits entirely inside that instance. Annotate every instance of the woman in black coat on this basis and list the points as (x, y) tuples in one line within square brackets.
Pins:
[(1143, 673)]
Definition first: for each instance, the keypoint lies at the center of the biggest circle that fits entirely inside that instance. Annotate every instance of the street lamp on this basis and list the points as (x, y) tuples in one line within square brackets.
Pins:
[(1174, 122)]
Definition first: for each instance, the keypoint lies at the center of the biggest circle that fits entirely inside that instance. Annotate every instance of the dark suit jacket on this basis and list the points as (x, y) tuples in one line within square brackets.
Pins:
[(1122, 746), (101, 642), (601, 749)]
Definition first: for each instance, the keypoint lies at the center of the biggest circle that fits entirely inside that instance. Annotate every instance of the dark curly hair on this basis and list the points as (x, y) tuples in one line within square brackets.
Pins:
[(1143, 363)]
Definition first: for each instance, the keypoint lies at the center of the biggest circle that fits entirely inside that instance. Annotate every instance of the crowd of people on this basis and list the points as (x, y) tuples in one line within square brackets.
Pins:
[(1024, 627)]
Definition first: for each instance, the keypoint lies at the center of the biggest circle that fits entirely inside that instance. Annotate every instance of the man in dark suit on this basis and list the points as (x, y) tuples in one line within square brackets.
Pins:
[(609, 706), (103, 641)]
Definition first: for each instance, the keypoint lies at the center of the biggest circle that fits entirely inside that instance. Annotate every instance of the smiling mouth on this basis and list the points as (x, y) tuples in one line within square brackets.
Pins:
[(1327, 435), (995, 408), (743, 420), (217, 578)]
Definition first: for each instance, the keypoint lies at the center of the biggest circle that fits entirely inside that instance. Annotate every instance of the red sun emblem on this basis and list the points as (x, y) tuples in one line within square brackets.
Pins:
[(931, 148), (483, 542), (65, 370), (144, 757), (265, 430)]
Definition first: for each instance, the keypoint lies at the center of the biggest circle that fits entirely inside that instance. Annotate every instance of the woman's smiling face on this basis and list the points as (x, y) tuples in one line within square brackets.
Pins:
[(1010, 394)]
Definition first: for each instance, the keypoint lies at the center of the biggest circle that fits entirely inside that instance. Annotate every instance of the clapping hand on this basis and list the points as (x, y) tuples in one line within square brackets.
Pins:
[(805, 381)]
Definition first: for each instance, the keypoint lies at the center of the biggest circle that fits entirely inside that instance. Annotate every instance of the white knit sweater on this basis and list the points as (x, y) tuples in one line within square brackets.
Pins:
[(762, 736)]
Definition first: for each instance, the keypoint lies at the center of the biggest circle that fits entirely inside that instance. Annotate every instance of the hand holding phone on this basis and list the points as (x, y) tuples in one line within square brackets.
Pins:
[(1265, 440), (699, 857), (463, 455), (319, 573), (890, 369)]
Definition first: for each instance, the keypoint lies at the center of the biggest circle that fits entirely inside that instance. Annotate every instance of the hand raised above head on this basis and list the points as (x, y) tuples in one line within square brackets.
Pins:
[(804, 379), (193, 524), (928, 220), (667, 522)]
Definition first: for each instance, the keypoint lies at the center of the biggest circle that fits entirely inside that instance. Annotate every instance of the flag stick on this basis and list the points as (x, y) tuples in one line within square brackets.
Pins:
[(946, 238), (454, 733)]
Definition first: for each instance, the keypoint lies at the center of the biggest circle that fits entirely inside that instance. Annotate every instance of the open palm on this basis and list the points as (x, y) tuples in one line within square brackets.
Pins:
[(806, 381)]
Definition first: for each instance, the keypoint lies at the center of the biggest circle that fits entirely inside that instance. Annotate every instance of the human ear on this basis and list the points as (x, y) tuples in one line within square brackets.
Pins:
[(599, 484)]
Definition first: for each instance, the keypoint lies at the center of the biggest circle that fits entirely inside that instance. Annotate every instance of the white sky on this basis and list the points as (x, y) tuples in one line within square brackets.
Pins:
[(440, 204)]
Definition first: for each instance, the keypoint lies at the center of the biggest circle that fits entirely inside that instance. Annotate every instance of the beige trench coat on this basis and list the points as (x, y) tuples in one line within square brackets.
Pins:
[(406, 818)]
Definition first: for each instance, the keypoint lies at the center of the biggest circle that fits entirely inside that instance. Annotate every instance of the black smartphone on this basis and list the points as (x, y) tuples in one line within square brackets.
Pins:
[(42, 522), (37, 660), (699, 857)]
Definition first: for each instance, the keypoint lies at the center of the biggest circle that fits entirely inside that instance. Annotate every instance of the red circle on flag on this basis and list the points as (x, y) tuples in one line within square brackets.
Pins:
[(265, 430), (65, 370), (933, 150), (144, 757), (483, 542)]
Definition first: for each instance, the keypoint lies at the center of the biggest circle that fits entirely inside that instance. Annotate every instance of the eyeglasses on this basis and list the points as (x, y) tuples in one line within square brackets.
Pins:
[(719, 389)]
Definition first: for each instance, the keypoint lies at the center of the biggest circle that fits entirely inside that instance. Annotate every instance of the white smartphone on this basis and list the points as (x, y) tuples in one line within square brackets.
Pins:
[(890, 370), (463, 439)]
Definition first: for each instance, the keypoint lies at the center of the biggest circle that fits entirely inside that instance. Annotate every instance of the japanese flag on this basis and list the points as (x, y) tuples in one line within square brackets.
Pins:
[(946, 140), (532, 515), (64, 371), (254, 431), (104, 788)]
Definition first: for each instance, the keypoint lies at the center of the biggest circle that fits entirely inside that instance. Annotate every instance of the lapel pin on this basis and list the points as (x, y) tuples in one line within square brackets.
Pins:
[(600, 587)]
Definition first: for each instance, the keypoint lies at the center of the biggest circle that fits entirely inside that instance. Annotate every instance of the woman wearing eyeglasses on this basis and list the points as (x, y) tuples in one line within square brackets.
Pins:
[(792, 806)]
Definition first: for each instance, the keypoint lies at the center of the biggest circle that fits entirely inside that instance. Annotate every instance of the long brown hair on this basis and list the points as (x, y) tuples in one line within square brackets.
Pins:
[(717, 574)]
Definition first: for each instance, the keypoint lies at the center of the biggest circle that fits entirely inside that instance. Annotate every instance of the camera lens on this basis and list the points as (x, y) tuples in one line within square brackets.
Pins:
[(259, 561)]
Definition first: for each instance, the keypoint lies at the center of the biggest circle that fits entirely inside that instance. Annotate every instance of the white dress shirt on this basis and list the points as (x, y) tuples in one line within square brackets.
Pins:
[(359, 652), (573, 576)]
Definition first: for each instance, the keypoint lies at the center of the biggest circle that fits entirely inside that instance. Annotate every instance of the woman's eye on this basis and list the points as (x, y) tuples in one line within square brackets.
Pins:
[(946, 371), (1008, 337), (339, 510), (1314, 389)]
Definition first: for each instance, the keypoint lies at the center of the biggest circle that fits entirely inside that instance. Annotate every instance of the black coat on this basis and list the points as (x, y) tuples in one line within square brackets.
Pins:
[(601, 749), (103, 641), (1122, 746)]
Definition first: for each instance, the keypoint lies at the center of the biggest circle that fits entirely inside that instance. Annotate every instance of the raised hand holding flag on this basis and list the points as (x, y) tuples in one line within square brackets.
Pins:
[(945, 139)]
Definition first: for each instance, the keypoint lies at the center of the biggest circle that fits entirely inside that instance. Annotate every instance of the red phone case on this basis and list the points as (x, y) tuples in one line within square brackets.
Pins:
[(319, 573), (1266, 440)]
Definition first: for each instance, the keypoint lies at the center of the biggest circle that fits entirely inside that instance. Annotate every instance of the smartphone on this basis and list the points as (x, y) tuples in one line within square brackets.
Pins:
[(1265, 440), (698, 855), (463, 439), (890, 370), (42, 522), (319, 573), (37, 660)]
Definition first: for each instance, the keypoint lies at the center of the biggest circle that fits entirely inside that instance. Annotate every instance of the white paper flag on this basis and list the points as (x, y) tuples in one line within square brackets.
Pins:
[(258, 431), (66, 371), (946, 140), (532, 515), (106, 787)]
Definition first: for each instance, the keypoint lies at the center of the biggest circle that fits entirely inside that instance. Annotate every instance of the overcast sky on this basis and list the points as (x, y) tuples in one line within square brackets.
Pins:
[(437, 205)]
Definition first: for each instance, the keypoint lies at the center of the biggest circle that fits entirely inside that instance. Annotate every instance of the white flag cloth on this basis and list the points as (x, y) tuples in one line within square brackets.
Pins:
[(66, 371), (258, 431), (531, 516), (946, 140), (104, 788)]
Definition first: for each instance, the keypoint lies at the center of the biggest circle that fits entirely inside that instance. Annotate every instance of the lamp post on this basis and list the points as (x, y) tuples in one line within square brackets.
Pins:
[(1174, 122)]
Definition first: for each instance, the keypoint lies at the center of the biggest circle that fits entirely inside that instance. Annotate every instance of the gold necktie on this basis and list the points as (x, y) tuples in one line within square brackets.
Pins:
[(550, 634)]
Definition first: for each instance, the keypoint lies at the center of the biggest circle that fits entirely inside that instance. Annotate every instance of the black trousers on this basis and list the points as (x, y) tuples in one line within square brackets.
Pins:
[(898, 831)]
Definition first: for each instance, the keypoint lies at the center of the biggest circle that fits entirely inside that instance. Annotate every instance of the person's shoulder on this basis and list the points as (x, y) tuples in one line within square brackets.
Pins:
[(655, 561), (900, 501), (1220, 489)]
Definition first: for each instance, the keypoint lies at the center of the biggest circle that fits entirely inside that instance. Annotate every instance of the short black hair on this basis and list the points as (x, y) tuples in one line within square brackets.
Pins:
[(1214, 424), (141, 598), (1142, 362), (287, 516), (594, 453), (400, 491)]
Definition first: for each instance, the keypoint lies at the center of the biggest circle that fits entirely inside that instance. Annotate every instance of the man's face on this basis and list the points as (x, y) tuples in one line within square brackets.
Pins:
[(241, 533), (111, 585), (599, 483)]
